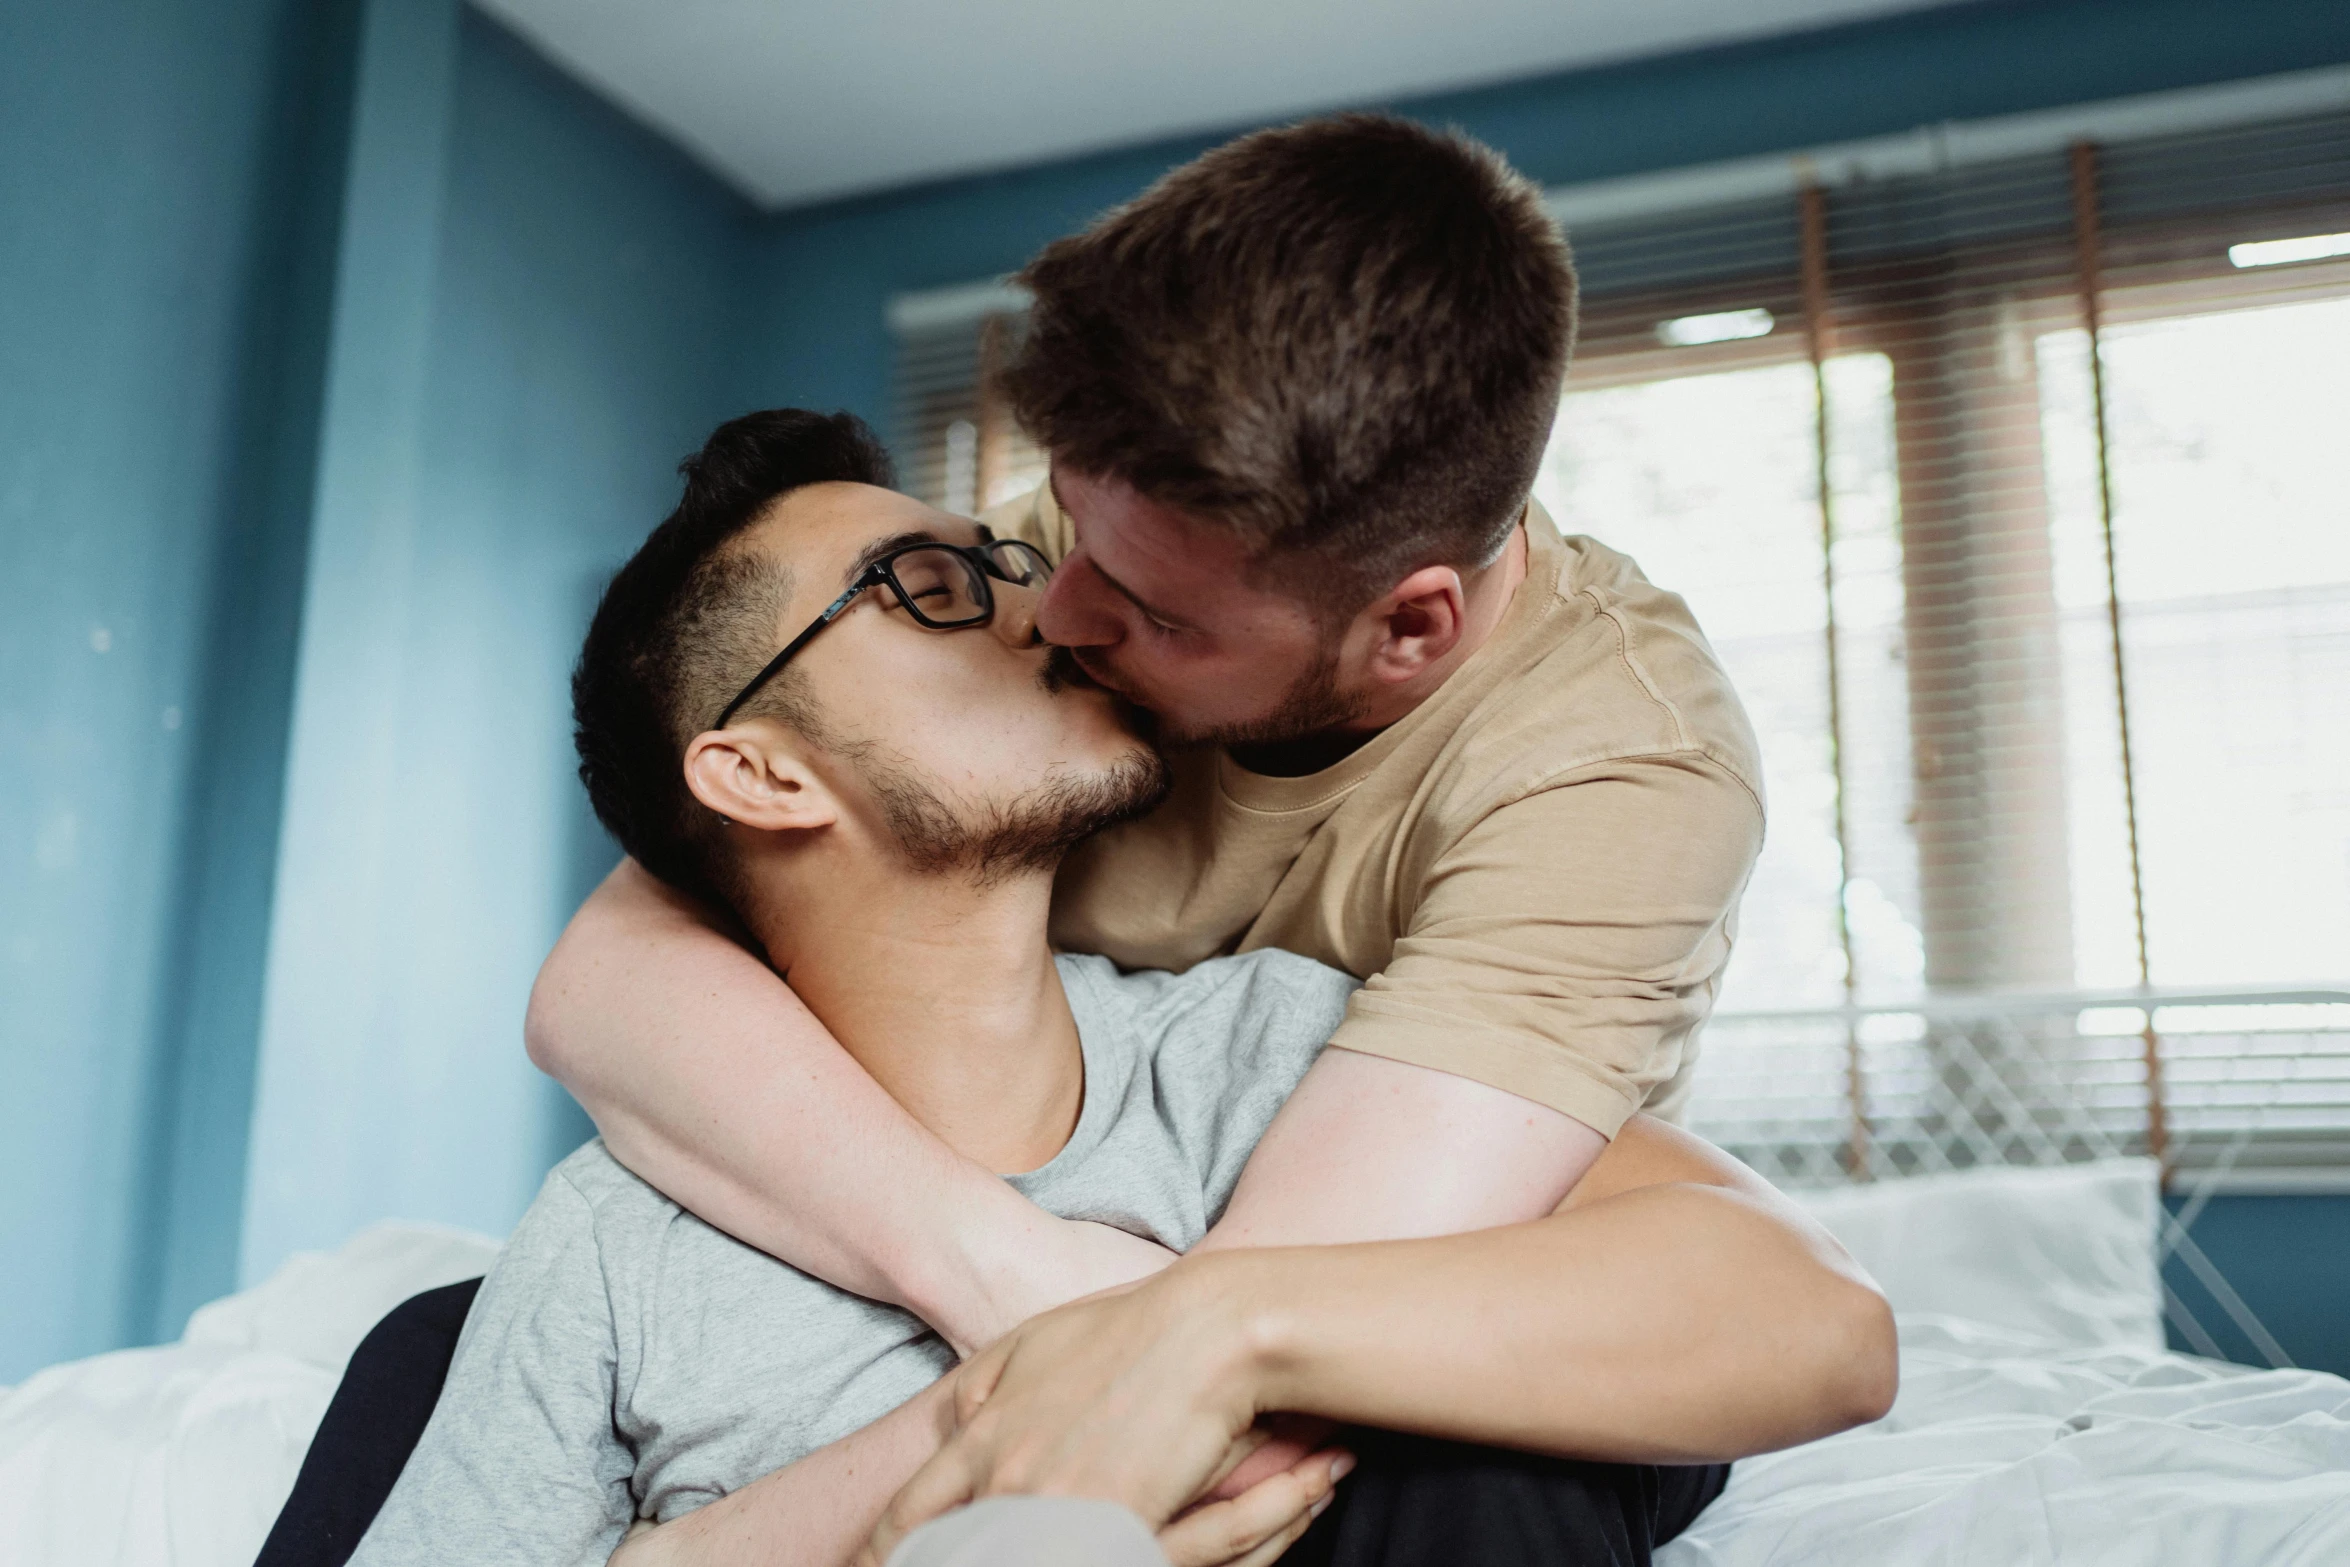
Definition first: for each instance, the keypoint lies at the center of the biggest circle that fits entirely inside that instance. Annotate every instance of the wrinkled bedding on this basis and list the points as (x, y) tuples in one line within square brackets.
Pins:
[(2044, 1426), (181, 1455), (2008, 1451)]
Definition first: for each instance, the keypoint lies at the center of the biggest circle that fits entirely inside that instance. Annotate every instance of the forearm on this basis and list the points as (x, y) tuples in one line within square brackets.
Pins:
[(708, 1078), (813, 1513), (1671, 1323)]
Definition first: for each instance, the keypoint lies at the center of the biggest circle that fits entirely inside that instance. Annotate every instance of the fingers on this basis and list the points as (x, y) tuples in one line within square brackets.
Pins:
[(977, 1377), (943, 1483), (1264, 1554), (1261, 1523), (1271, 1455)]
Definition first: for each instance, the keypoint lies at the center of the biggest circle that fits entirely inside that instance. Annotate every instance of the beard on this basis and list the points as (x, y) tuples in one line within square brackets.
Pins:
[(1312, 705), (1022, 836)]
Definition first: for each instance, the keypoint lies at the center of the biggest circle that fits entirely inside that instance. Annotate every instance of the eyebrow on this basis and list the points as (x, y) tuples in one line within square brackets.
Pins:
[(880, 547), (1052, 482)]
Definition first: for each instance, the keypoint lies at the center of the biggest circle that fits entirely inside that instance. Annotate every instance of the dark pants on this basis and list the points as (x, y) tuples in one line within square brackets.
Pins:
[(1411, 1502), (387, 1395), (1414, 1501)]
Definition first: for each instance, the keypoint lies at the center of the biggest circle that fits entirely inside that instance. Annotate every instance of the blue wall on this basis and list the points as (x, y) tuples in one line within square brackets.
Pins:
[(580, 326), (2289, 1258), (291, 294), (160, 195)]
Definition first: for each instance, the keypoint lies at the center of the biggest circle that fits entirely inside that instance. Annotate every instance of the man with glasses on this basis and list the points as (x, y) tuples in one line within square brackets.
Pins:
[(821, 708)]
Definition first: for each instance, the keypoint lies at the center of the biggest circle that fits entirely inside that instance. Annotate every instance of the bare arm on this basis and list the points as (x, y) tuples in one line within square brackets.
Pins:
[(1560, 952), (813, 1513), (1373, 1149), (1675, 1310), (708, 1078)]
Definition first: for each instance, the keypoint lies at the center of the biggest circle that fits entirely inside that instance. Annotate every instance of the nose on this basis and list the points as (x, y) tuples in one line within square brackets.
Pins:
[(1065, 613), (1015, 615)]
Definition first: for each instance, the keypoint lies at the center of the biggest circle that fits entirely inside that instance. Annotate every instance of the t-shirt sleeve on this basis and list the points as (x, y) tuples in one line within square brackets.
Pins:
[(521, 1463), (1568, 944), (1034, 519), (1239, 1033)]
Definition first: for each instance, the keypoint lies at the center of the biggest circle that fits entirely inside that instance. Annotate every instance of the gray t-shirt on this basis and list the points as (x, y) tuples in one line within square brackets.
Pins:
[(626, 1360)]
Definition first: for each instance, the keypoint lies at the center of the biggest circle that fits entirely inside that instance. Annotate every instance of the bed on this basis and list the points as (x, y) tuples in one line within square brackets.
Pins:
[(2040, 1419)]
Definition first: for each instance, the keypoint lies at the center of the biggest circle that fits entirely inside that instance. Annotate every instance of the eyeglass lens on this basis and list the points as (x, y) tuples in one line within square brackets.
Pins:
[(1017, 562), (941, 586)]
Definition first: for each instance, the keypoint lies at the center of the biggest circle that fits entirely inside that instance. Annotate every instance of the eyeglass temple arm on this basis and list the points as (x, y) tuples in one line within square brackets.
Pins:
[(872, 575)]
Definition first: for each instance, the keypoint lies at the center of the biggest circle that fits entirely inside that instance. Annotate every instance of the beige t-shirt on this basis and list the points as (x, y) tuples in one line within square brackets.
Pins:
[(1536, 871)]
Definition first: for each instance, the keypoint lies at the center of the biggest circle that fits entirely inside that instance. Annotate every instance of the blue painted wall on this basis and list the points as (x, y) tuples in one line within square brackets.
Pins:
[(579, 327), (164, 172), (2289, 1258), (212, 290)]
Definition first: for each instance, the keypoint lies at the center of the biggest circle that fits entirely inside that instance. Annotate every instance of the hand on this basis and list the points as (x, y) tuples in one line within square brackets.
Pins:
[(1288, 1439), (1262, 1521), (1138, 1397)]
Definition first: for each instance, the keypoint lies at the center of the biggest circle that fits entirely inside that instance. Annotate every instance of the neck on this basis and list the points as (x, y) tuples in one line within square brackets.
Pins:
[(943, 990)]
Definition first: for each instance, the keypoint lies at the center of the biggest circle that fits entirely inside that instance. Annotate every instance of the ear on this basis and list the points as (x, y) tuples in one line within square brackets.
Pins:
[(751, 775), (1413, 625)]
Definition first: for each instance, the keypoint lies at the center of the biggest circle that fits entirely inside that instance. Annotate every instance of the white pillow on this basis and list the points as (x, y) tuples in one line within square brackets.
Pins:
[(317, 1306), (183, 1454), (2065, 1254)]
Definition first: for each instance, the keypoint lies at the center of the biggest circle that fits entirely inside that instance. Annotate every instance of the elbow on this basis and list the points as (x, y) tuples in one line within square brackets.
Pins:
[(550, 1024), (541, 1034), (1863, 1372)]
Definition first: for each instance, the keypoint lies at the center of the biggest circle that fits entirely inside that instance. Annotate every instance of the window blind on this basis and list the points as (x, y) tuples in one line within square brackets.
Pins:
[(2018, 509)]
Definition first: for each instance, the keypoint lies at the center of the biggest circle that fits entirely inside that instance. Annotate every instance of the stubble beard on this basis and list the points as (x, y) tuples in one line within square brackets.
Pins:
[(1312, 705), (1024, 836)]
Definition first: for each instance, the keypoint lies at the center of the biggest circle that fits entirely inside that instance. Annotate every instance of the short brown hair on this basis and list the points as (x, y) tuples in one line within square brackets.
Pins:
[(1344, 338)]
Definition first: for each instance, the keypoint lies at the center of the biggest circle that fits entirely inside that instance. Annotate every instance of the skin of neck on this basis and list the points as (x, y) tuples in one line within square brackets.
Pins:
[(939, 984)]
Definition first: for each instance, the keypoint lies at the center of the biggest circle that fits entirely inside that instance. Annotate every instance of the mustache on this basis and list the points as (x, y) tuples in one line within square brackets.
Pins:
[(1061, 671)]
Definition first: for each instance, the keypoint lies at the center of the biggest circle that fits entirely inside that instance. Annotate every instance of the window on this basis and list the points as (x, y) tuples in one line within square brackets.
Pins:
[(1975, 934)]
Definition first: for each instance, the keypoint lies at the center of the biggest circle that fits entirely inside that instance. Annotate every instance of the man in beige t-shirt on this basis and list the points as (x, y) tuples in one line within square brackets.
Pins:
[(1294, 397), (1535, 869)]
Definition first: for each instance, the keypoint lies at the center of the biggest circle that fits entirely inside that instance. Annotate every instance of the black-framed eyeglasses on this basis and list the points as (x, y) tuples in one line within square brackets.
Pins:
[(943, 586)]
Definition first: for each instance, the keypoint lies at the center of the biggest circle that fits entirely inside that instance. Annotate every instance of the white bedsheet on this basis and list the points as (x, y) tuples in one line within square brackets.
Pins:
[(2007, 1451), (181, 1455), (2007, 1448)]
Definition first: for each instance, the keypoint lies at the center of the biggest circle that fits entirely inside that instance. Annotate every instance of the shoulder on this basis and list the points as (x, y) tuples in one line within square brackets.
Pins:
[(1033, 518), (1227, 1005), (593, 1202), (601, 1185), (1615, 671)]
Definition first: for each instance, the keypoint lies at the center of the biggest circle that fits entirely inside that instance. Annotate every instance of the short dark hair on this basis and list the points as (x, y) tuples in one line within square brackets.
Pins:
[(686, 623), (1344, 338)]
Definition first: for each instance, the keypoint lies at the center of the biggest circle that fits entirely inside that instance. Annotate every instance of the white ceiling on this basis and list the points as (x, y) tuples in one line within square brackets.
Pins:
[(795, 101)]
